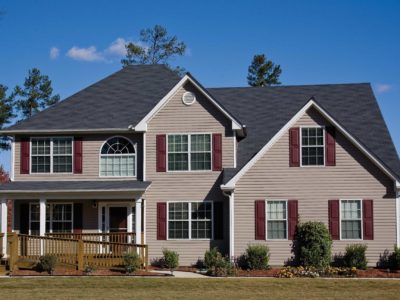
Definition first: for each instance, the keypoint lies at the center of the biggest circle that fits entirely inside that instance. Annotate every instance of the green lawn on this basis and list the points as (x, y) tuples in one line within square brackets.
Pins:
[(172, 288)]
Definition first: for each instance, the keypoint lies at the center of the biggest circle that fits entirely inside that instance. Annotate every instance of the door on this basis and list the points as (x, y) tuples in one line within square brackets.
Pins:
[(118, 224)]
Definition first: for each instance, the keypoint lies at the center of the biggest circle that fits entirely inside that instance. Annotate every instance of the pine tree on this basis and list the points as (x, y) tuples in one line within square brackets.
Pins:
[(6, 114), (263, 72), (35, 95)]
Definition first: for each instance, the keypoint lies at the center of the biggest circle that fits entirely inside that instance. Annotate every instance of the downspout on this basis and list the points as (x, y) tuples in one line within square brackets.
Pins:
[(231, 196)]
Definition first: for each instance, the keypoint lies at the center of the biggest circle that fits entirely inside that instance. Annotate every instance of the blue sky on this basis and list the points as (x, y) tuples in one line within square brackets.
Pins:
[(313, 41)]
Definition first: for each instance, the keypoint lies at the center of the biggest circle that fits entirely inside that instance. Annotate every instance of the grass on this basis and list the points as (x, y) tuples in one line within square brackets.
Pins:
[(173, 288)]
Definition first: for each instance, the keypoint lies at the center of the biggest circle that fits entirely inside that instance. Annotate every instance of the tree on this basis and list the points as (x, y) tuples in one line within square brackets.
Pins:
[(154, 47), (6, 114), (263, 72), (4, 177), (35, 95)]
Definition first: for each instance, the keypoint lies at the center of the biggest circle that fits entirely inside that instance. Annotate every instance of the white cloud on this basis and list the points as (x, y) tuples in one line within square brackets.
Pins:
[(118, 47), (383, 88), (54, 52), (85, 54)]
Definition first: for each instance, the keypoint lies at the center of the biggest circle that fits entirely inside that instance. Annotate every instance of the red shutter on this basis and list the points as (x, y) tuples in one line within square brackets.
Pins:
[(78, 155), (330, 146), (260, 220), (161, 221), (294, 147), (368, 219), (333, 210), (25, 153), (161, 149), (217, 152), (293, 217)]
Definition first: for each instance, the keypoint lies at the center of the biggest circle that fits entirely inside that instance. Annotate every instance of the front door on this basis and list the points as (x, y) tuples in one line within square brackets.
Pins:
[(118, 222)]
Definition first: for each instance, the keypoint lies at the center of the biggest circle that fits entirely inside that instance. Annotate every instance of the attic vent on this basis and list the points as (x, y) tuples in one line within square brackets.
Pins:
[(188, 98)]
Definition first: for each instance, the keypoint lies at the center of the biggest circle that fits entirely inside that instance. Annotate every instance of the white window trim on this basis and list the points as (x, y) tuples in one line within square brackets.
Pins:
[(189, 152), (190, 221), (361, 219), (135, 155), (51, 215), (266, 219), (301, 145), (51, 155)]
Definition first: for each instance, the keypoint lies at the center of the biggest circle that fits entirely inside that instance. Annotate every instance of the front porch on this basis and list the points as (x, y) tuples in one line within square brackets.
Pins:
[(81, 228)]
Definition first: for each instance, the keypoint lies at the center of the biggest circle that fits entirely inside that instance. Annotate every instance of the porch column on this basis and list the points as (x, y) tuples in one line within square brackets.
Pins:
[(3, 225), (129, 223), (42, 226), (138, 221)]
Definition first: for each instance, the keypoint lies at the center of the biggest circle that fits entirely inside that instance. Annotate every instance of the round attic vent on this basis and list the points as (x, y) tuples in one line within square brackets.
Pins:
[(188, 98)]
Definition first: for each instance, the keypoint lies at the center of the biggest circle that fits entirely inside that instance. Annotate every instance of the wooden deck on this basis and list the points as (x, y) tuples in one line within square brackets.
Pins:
[(80, 250)]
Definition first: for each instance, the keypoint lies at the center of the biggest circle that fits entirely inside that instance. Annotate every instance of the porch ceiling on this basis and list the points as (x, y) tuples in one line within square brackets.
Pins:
[(78, 189)]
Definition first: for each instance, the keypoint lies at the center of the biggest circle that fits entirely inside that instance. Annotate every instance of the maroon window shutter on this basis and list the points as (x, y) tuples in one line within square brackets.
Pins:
[(260, 220), (161, 221), (78, 155), (330, 146), (78, 217), (293, 217), (25, 153), (333, 211), (368, 219), (294, 147), (161, 149), (217, 152)]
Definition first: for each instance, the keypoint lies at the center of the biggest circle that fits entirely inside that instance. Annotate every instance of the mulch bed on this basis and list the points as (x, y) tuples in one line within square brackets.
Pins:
[(258, 273), (377, 273), (98, 272)]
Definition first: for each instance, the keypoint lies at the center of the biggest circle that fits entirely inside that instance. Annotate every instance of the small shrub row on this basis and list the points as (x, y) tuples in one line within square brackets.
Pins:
[(390, 260), (312, 272)]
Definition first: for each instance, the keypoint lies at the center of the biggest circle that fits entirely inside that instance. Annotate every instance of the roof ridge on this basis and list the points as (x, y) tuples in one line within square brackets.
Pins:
[(290, 85)]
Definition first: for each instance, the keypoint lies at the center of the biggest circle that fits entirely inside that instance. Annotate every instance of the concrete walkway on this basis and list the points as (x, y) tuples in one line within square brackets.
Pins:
[(180, 274)]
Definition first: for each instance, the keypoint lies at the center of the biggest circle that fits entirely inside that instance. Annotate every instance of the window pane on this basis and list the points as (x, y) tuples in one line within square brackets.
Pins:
[(351, 219), (62, 146), (62, 164), (276, 220), (117, 165), (200, 161), (201, 211), (178, 161), (276, 230), (40, 158), (312, 146)]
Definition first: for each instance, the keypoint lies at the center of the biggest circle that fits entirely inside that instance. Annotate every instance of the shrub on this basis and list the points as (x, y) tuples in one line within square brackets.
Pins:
[(390, 260), (257, 257), (170, 259), (47, 263), (89, 269), (217, 264), (395, 258), (355, 256), (132, 262), (312, 245)]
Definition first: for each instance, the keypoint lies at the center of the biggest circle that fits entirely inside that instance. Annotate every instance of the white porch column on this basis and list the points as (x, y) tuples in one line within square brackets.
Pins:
[(138, 221), (129, 222), (3, 224), (42, 218), (232, 225)]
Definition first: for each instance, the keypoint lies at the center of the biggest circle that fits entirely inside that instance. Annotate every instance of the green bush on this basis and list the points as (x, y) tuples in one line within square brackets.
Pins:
[(312, 245), (355, 256), (132, 262), (395, 258), (170, 259), (47, 263), (217, 264), (257, 257)]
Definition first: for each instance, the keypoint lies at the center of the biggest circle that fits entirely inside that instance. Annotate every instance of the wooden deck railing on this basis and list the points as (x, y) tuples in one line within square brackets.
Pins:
[(113, 237), (78, 252)]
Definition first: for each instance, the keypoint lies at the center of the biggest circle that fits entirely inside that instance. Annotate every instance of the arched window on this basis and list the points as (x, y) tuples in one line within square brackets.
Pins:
[(118, 158)]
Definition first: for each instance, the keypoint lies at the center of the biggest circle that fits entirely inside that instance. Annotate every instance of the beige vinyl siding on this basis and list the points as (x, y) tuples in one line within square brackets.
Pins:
[(354, 177), (91, 153), (175, 117)]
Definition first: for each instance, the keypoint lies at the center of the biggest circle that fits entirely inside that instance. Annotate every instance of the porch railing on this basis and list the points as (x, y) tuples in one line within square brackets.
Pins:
[(78, 252), (113, 237)]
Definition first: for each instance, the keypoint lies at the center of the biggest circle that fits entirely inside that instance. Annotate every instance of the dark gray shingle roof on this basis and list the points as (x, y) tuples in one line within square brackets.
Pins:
[(74, 186), (115, 102), (266, 110)]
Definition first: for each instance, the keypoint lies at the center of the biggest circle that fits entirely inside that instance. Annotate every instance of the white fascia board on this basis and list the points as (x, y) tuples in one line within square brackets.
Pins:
[(2, 192), (71, 131), (142, 125), (231, 183)]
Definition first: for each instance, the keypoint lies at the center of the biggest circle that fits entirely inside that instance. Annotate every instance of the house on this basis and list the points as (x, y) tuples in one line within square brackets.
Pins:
[(153, 159)]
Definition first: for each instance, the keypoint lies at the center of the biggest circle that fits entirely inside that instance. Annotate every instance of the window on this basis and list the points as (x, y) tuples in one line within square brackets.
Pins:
[(190, 220), (118, 158), (350, 214), (312, 146), (189, 152), (59, 218), (276, 220), (51, 155)]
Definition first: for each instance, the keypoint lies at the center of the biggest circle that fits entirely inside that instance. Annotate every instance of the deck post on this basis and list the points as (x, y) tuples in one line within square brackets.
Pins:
[(3, 225), (138, 222), (81, 249), (42, 228)]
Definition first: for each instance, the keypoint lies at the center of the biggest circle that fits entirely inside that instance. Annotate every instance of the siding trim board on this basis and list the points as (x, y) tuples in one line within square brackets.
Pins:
[(142, 125), (311, 103)]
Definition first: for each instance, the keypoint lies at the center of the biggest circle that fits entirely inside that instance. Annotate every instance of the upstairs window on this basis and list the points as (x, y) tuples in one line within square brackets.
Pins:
[(51, 155), (189, 152), (118, 158), (312, 146)]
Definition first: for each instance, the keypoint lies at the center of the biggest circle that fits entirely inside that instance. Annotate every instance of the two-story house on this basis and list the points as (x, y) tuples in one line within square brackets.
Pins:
[(160, 160)]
